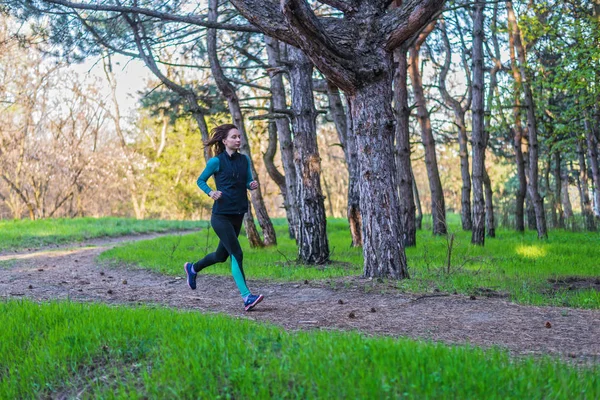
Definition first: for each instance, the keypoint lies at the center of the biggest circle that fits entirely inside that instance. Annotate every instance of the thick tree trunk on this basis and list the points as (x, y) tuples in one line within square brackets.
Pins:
[(403, 164), (313, 245), (373, 122), (586, 206), (478, 132), (236, 114), (438, 208), (343, 125), (538, 201), (284, 134), (490, 222)]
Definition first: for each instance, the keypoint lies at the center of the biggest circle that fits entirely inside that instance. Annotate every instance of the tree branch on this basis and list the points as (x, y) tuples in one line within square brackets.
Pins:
[(266, 15), (165, 16), (400, 24), (305, 24)]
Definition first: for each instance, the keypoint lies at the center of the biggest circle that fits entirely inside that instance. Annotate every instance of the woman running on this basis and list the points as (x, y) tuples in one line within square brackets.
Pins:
[(233, 176)]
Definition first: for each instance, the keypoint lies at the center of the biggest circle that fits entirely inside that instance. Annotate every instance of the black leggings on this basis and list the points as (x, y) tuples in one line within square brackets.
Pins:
[(227, 227)]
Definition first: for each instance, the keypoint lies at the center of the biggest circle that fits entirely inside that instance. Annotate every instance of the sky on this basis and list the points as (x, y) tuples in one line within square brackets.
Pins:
[(131, 75)]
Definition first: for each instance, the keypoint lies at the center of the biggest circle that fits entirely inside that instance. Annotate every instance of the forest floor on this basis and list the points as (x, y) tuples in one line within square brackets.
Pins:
[(368, 306)]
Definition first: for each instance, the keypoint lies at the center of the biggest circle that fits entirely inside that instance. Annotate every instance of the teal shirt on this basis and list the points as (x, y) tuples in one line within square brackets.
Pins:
[(212, 167)]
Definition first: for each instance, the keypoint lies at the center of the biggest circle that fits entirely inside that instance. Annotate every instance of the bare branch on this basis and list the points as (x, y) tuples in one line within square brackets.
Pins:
[(269, 116), (165, 16)]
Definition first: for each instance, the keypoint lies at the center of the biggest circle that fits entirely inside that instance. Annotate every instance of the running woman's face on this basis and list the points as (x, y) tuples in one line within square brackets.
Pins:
[(233, 141)]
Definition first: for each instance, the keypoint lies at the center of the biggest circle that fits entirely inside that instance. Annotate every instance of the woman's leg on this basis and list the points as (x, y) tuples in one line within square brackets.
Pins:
[(220, 255), (228, 227)]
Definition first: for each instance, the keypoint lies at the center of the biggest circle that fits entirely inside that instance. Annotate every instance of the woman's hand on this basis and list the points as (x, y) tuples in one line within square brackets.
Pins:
[(253, 185), (215, 195)]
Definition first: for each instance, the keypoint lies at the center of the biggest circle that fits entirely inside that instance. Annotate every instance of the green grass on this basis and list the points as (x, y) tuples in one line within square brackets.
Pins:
[(20, 234), (96, 351), (513, 264)]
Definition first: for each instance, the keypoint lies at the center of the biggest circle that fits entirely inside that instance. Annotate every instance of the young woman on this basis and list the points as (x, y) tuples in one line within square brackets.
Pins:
[(233, 177)]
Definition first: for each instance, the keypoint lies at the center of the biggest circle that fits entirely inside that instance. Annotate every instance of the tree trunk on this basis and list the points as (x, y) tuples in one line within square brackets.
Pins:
[(538, 201), (236, 114), (313, 245), (478, 132), (459, 120), (438, 208), (373, 122), (592, 145), (586, 207), (251, 232), (343, 124), (550, 195), (565, 198), (558, 197), (269, 157), (403, 164), (490, 222), (284, 134), (518, 140), (419, 218)]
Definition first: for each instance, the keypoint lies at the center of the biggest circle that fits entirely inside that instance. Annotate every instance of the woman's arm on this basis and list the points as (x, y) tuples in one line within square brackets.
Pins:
[(212, 166), (249, 177)]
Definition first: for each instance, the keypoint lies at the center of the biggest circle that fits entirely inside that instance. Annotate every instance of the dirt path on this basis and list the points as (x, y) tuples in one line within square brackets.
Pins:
[(357, 304)]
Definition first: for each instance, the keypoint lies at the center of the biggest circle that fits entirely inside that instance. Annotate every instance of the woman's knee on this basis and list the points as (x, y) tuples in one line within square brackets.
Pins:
[(239, 257), (221, 256)]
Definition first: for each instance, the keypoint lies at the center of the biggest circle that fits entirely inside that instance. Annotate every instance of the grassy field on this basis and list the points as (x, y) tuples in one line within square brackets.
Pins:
[(516, 265), (20, 234), (96, 351)]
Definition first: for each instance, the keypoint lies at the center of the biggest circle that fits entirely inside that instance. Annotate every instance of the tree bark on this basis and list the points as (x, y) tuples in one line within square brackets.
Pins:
[(313, 245), (284, 134), (419, 217), (478, 132), (592, 146), (373, 121), (236, 114), (558, 197), (565, 198), (269, 157), (538, 201), (518, 139), (586, 207), (490, 222), (343, 125), (438, 208), (403, 163)]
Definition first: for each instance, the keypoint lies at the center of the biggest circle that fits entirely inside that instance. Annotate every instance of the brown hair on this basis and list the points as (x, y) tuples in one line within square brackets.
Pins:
[(218, 134)]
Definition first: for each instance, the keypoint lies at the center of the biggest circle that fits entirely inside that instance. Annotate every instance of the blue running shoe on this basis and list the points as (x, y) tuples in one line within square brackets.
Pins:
[(191, 275), (252, 300)]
